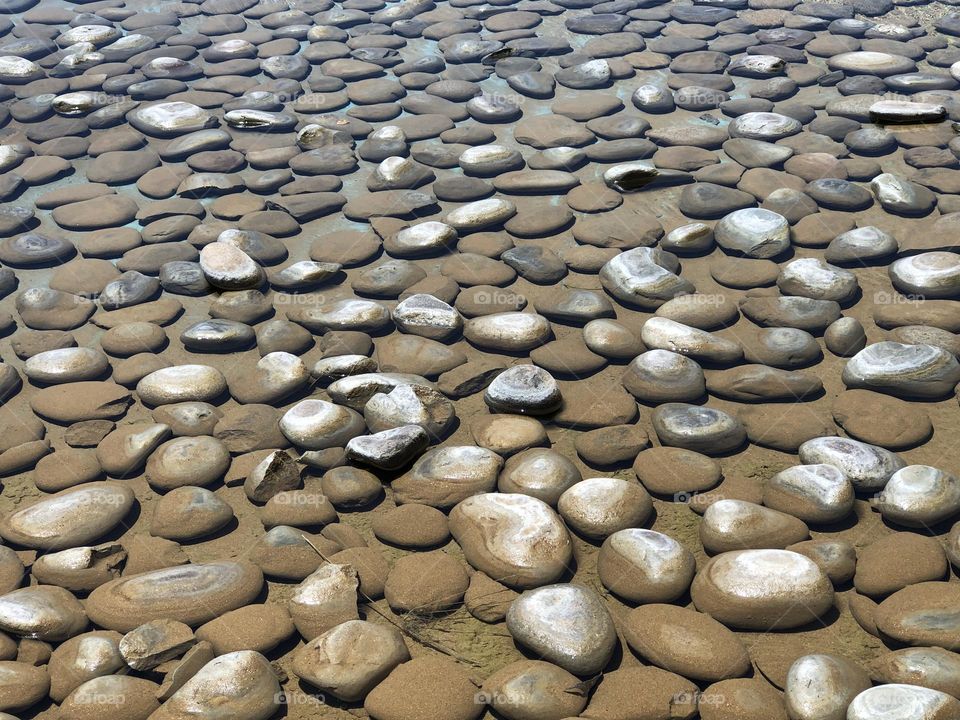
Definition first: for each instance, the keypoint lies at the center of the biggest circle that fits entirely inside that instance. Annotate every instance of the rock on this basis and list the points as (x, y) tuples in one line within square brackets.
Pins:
[(229, 268), (661, 333), (812, 493), (894, 424), (70, 518), (430, 685), (42, 612), (567, 625), (533, 688), (611, 339), (331, 661), (406, 590), (664, 376), (103, 697), (239, 685), (919, 496), (299, 508), (511, 331), (837, 558), (523, 389), (389, 449), (644, 277), (598, 507), (124, 452), (21, 685), (155, 642), (821, 686), (650, 691), (611, 445), (185, 461), (80, 569), (686, 642), (801, 313), (318, 424), (507, 435), (192, 594), (82, 658), (539, 472), (753, 232), (923, 561), (276, 473), (867, 466), (410, 405), (750, 699), (734, 524), (676, 471), (898, 700), (786, 589), (252, 627), (181, 383), (698, 428), (486, 599), (845, 337), (188, 513), (931, 667), (505, 549), (645, 566)]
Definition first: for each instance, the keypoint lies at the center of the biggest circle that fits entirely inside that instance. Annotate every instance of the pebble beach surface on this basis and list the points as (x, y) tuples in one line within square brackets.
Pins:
[(462, 359)]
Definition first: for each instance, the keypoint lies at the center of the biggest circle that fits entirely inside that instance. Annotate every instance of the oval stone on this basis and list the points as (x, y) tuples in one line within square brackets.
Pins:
[(70, 518), (762, 589), (192, 594), (515, 539)]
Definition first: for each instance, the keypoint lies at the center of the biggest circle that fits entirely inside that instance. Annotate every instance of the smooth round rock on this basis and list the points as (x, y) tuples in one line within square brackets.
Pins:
[(645, 566), (181, 383), (912, 371), (525, 545), (197, 461), (867, 466), (762, 589), (822, 686), (70, 518), (697, 428), (919, 496), (686, 642), (532, 689), (351, 659), (899, 702), (318, 424), (192, 594), (567, 625), (881, 420), (598, 507), (812, 493), (753, 232), (240, 684), (188, 513)]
